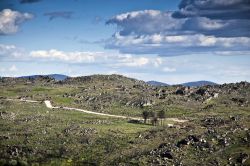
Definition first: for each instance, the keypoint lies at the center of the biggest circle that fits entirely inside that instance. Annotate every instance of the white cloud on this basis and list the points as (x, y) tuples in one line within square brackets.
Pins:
[(135, 14), (109, 59), (157, 62), (158, 32), (171, 70), (232, 53), (2, 70), (4, 49), (115, 59), (176, 44), (75, 57), (10, 21), (168, 69), (10, 51), (131, 61), (208, 24), (146, 22), (13, 68)]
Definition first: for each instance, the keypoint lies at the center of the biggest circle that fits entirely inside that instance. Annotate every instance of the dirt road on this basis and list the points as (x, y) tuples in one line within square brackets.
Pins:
[(49, 105)]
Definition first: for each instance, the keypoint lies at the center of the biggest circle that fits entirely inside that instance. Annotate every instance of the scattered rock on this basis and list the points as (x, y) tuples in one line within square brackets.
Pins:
[(213, 121), (190, 139), (242, 158), (224, 142), (167, 154)]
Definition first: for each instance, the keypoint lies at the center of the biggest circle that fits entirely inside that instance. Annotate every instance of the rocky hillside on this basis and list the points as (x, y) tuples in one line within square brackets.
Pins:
[(45, 80), (99, 92), (216, 130), (105, 93), (58, 77)]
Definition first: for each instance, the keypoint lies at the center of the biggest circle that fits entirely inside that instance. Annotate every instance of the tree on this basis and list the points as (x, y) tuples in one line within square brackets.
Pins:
[(145, 115), (154, 119), (162, 116)]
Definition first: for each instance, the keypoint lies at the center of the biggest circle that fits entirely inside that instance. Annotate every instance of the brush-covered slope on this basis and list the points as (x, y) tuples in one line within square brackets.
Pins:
[(216, 133)]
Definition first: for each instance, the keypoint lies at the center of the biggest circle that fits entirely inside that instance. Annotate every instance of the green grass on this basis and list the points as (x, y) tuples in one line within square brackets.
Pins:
[(41, 89), (62, 100), (33, 125)]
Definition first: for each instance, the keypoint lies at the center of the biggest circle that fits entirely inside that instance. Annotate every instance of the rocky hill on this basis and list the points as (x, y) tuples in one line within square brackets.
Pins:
[(105, 91), (58, 77), (127, 96), (157, 83)]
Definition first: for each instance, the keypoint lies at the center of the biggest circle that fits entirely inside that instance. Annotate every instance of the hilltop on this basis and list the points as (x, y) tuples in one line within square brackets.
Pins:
[(157, 83), (61, 77), (198, 83), (58, 77), (190, 84)]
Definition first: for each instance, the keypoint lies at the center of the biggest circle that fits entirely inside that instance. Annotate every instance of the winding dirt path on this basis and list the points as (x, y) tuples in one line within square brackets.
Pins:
[(49, 105)]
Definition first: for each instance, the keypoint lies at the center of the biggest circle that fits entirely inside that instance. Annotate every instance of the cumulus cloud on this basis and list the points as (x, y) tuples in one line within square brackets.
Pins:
[(176, 45), (168, 33), (130, 61), (168, 69), (114, 59), (8, 70), (219, 28), (13, 68), (75, 57), (59, 14), (111, 59), (145, 22), (153, 21), (10, 51), (215, 9), (232, 53), (10, 21)]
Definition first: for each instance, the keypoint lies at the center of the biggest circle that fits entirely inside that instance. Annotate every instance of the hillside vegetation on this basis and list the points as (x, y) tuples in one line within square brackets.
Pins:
[(216, 131)]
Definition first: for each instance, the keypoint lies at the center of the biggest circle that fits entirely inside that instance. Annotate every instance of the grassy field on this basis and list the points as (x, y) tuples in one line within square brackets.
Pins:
[(39, 134), (34, 134)]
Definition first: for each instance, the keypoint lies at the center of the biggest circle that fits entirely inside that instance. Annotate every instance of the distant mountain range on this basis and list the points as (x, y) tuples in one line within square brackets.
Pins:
[(157, 83), (191, 84), (58, 77), (198, 83)]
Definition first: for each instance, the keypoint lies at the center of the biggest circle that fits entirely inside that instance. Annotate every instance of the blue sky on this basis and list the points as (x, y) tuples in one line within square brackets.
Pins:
[(170, 41)]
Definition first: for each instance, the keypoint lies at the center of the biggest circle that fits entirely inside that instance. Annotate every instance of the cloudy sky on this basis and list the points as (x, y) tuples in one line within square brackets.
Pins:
[(171, 41)]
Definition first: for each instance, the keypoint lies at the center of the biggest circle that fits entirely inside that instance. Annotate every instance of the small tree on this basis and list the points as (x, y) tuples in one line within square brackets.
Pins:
[(145, 115), (154, 119), (162, 116)]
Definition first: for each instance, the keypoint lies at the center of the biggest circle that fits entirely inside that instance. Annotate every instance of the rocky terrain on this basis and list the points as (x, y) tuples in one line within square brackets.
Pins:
[(216, 132)]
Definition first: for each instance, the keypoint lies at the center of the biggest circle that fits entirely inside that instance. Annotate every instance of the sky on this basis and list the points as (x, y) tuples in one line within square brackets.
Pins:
[(169, 41)]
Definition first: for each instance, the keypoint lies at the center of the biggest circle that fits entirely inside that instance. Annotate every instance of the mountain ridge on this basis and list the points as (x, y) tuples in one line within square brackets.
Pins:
[(190, 84), (57, 77), (62, 77)]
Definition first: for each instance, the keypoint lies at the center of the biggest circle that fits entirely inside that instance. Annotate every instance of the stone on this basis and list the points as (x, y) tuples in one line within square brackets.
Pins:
[(167, 154), (183, 142), (242, 158), (163, 145)]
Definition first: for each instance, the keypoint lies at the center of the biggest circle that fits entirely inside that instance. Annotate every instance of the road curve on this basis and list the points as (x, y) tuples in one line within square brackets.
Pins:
[(49, 105)]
